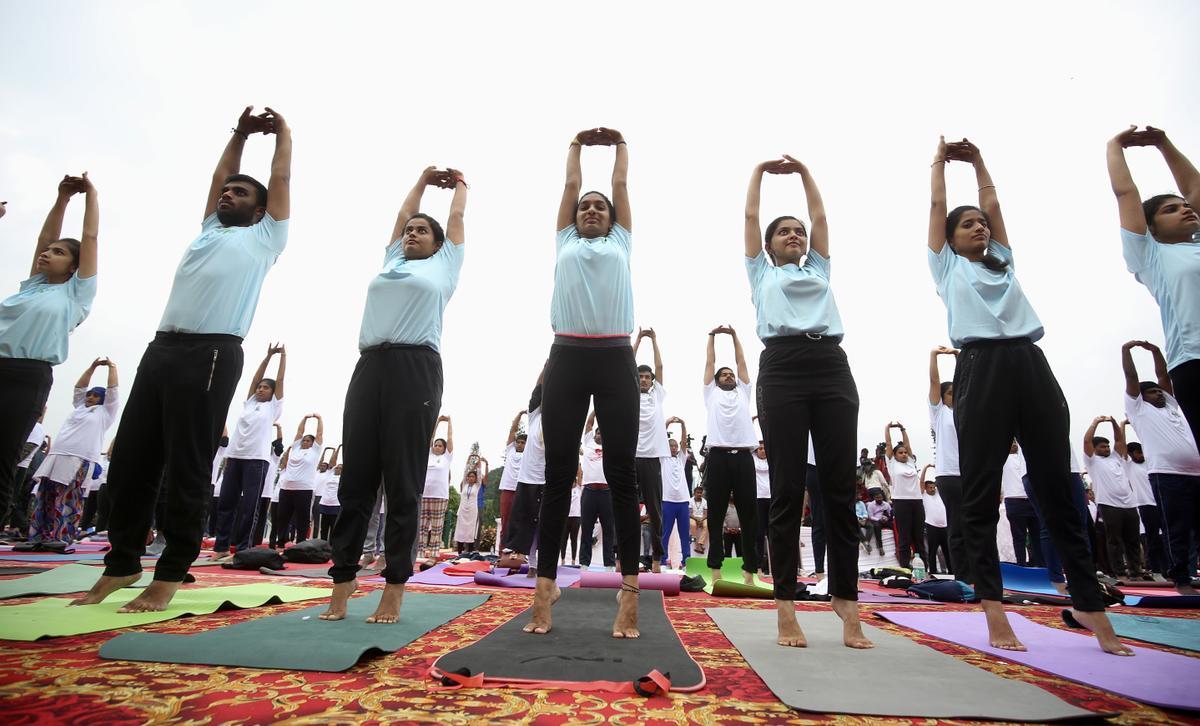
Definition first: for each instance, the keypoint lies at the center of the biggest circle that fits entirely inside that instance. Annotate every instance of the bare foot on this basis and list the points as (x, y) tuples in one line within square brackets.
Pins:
[(789, 630), (1000, 632), (1099, 624), (1186, 589), (366, 561), (337, 603), (716, 575), (1061, 587), (104, 587), (748, 577), (626, 624), (852, 632), (656, 566), (389, 605), (153, 599), (544, 597), (380, 562)]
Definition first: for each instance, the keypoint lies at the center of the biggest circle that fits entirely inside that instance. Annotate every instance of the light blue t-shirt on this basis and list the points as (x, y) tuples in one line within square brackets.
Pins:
[(35, 322), (593, 294), (982, 304), (406, 300), (1171, 272), (793, 299), (218, 280)]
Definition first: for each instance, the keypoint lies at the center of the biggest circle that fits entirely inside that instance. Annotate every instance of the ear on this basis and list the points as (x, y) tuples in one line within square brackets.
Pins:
[(259, 213)]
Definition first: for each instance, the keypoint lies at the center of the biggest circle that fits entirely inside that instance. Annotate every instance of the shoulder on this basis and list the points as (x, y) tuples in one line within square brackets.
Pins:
[(567, 234), (817, 262)]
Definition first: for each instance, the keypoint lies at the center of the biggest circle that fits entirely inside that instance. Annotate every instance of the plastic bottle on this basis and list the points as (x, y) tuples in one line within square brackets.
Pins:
[(918, 568)]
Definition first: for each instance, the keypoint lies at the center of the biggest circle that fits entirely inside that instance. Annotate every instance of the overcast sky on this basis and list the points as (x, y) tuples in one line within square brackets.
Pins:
[(142, 95)]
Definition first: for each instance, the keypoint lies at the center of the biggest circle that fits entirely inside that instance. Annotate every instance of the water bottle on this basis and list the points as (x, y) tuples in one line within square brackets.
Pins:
[(918, 568)]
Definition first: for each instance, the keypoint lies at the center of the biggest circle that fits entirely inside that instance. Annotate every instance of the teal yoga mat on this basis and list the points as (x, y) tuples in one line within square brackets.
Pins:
[(60, 581), (298, 640), (1171, 632)]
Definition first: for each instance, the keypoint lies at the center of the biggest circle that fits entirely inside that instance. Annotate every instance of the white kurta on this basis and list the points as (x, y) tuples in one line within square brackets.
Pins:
[(467, 523)]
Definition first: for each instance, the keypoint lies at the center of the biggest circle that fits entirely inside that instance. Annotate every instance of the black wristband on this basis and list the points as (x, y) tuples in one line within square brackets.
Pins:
[(620, 142), (245, 137)]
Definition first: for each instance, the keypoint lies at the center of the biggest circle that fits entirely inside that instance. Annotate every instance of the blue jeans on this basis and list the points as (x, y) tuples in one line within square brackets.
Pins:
[(237, 505), (675, 514), (1079, 499), (1178, 498)]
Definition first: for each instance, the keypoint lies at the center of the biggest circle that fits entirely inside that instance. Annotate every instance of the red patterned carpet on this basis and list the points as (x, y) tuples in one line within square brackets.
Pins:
[(62, 680)]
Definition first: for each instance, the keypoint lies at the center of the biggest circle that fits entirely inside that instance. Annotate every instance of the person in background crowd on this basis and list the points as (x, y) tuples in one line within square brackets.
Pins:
[(1022, 517), (1115, 499)]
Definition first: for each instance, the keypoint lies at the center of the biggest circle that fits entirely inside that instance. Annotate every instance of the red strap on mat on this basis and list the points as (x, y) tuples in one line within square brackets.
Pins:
[(652, 684), (456, 681)]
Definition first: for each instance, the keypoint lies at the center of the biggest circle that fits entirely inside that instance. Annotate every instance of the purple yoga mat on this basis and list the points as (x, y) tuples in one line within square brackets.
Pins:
[(666, 583), (1152, 676), (567, 576)]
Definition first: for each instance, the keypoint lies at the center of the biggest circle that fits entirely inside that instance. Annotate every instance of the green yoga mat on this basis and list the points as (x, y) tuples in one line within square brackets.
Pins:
[(731, 584), (298, 640), (60, 581), (1172, 632), (898, 677), (52, 617)]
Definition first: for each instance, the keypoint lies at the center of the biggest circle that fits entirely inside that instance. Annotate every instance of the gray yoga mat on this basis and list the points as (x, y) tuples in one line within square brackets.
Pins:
[(898, 677), (59, 581), (317, 572), (298, 640)]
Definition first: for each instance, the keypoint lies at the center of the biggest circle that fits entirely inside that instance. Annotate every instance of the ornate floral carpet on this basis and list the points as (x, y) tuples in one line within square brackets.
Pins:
[(62, 680)]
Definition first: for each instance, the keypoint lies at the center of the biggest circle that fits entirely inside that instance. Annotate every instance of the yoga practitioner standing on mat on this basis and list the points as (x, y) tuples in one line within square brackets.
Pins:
[(1161, 241), (435, 498), (946, 469), (1172, 456), (675, 496), (186, 379), (591, 312), (514, 449), (652, 446), (395, 393), (35, 323), (595, 502), (1003, 387), (1114, 498), (729, 466), (247, 457), (907, 507), (521, 533), (298, 482), (804, 386)]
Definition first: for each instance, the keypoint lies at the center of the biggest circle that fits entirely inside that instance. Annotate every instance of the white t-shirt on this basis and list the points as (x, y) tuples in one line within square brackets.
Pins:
[(941, 419), (935, 509), (1139, 478), (301, 471), (1166, 438), (512, 467), (533, 463), (270, 486), (36, 435), (576, 494), (218, 473), (674, 483), (437, 476), (1076, 467), (329, 497), (1108, 480), (904, 479), (762, 477), (322, 480), (652, 429), (698, 510), (82, 434), (593, 460), (255, 429), (729, 421), (1011, 486)]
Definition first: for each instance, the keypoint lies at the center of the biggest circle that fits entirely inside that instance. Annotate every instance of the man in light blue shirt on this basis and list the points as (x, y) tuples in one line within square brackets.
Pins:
[(186, 379)]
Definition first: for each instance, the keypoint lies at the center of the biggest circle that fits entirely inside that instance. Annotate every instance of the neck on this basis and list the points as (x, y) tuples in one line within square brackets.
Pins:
[(58, 279)]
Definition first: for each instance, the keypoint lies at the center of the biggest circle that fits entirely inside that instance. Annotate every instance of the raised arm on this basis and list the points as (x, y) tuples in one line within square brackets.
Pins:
[(430, 176), (231, 158), (591, 422), (89, 240), (86, 378), (1129, 201), (620, 176), (989, 201), (333, 460), (320, 429), (455, 229), (926, 468), (658, 364), (937, 198), (753, 231), (904, 435), (1186, 176), (512, 430), (300, 428), (112, 373), (1161, 374), (52, 227), (818, 236), (449, 434), (279, 187), (740, 356), (887, 440), (1089, 450), (261, 373), (1119, 438), (574, 182), (710, 361), (935, 376)]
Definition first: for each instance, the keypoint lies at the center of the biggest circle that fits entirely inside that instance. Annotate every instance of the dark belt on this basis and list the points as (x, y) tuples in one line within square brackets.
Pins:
[(727, 450), (396, 346), (596, 486)]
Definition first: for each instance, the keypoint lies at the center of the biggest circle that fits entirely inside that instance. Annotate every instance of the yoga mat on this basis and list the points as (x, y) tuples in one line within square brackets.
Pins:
[(1174, 602), (1152, 676), (737, 588), (52, 617), (467, 569), (665, 583), (436, 575), (566, 577), (901, 598), (18, 570), (898, 677), (1173, 632), (60, 581), (1026, 579), (77, 547), (298, 640), (731, 571), (45, 557), (580, 648)]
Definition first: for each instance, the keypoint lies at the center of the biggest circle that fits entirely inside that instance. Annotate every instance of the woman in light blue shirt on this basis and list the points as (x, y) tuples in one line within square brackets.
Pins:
[(395, 393), (804, 386), (36, 321), (1003, 388), (591, 313), (1161, 241)]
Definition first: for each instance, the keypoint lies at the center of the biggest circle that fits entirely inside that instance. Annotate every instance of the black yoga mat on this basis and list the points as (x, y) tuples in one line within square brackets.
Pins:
[(580, 649)]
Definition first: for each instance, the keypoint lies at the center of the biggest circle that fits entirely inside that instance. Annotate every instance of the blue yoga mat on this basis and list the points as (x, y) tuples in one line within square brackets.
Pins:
[(1172, 632), (1027, 579), (1174, 602)]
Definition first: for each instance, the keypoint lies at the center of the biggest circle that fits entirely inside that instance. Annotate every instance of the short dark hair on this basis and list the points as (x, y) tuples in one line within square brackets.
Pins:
[(439, 235), (260, 191), (72, 246), (774, 225), (1144, 386), (1097, 440), (441, 440), (990, 261), (717, 375), (1133, 446), (1151, 206), (646, 369), (270, 382)]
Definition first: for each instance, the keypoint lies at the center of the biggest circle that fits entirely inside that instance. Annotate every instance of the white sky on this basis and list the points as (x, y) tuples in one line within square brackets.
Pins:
[(142, 96)]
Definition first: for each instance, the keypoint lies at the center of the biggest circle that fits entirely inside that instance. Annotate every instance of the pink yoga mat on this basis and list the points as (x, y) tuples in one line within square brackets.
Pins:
[(1152, 676), (666, 583), (567, 576), (436, 576)]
